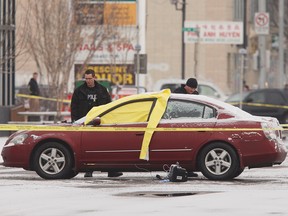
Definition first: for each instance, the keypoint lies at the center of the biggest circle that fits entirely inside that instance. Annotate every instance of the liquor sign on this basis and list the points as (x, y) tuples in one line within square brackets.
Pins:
[(213, 32), (117, 74)]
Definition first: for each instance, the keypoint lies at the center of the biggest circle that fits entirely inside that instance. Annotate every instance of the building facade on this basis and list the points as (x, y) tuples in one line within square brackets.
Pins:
[(163, 44), (164, 32)]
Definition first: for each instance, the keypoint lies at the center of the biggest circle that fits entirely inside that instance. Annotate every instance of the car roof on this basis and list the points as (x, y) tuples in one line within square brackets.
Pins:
[(235, 97), (217, 104), (160, 83)]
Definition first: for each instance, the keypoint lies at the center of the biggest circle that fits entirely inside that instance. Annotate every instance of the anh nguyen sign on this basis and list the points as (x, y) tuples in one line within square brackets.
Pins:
[(213, 32)]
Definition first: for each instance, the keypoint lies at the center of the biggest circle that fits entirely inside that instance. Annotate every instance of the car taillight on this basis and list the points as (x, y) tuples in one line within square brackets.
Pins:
[(272, 131)]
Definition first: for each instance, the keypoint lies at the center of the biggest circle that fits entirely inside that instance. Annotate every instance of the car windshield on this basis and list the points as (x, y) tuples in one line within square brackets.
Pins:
[(171, 86), (236, 97)]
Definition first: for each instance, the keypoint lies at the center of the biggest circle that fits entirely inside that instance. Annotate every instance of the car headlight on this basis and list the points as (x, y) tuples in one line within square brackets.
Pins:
[(18, 139)]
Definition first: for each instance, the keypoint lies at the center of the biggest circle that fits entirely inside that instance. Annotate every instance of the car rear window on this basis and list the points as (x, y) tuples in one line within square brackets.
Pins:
[(187, 109), (275, 98)]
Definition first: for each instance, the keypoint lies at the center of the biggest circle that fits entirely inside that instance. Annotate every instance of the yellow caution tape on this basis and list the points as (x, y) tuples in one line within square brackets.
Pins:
[(76, 128), (42, 98), (16, 127), (260, 105), (149, 130)]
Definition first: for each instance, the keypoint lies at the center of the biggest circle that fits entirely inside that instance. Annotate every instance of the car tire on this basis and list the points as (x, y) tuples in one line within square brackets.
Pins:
[(240, 170), (219, 161), (72, 174), (53, 161)]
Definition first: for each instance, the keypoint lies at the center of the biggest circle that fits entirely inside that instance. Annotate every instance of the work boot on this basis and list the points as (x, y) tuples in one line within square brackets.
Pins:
[(88, 174), (114, 174), (192, 174)]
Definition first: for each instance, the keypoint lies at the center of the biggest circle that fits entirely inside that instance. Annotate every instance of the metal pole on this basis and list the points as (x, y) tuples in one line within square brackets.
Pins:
[(282, 79), (262, 49), (241, 80), (243, 53), (183, 43), (138, 48), (196, 46)]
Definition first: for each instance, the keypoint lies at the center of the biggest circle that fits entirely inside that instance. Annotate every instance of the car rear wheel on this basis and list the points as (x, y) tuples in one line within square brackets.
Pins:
[(53, 161), (72, 174), (219, 161)]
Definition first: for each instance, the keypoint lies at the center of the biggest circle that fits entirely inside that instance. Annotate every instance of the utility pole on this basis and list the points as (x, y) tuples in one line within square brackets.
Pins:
[(282, 78), (262, 49), (243, 53), (183, 43), (196, 53), (137, 48), (140, 46), (183, 48)]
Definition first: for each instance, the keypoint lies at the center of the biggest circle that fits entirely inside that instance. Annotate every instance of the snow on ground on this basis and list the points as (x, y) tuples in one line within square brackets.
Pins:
[(255, 192)]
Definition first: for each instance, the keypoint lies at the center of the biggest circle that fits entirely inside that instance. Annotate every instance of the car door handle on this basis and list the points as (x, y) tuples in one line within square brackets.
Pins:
[(140, 134)]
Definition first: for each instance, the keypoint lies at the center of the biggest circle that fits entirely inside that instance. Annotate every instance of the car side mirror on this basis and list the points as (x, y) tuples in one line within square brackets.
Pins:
[(95, 122)]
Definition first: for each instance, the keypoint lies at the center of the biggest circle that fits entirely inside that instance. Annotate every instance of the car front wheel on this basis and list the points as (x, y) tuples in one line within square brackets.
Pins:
[(240, 170), (53, 161), (219, 161)]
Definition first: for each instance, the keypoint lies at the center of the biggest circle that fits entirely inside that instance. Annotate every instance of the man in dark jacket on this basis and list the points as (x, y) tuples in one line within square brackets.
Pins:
[(189, 88), (34, 104), (88, 95), (84, 98), (33, 85)]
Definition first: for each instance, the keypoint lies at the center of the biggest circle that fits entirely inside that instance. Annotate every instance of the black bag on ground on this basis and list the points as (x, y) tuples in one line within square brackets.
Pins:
[(177, 174)]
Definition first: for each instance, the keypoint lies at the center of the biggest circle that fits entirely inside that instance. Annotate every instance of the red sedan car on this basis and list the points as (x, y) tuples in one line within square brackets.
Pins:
[(145, 132)]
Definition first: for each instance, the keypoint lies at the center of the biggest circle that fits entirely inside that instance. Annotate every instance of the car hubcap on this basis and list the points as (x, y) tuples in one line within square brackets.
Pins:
[(218, 161), (52, 161)]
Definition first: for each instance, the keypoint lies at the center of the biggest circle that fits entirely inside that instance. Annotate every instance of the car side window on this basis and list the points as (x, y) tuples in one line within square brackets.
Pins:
[(257, 97), (138, 111), (171, 86), (208, 112), (275, 98), (186, 109), (207, 90)]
